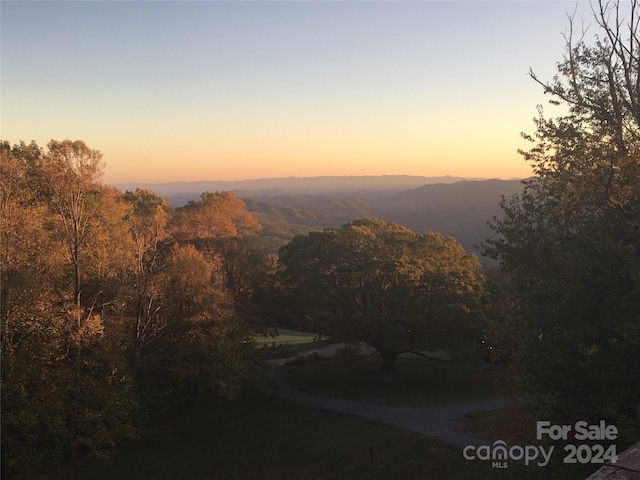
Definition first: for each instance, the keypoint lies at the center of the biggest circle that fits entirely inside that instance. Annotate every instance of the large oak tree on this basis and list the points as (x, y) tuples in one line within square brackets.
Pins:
[(383, 284)]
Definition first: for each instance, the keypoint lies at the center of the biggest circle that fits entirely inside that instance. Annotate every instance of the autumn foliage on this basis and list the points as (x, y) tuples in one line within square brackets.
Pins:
[(109, 300)]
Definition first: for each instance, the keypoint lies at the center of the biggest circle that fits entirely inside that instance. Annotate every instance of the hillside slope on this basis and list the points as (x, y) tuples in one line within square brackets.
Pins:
[(460, 210), (294, 206)]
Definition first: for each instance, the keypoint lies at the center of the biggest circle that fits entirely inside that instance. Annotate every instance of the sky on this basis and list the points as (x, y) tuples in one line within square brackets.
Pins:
[(211, 90)]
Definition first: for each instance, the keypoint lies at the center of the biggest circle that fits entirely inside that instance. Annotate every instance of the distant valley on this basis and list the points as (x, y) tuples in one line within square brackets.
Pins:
[(292, 206)]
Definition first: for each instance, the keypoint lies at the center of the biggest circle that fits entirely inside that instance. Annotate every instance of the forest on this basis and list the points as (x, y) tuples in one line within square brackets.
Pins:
[(114, 302), (115, 305)]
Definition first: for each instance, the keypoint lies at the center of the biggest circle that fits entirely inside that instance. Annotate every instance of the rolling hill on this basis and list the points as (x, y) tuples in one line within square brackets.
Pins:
[(460, 209), (294, 206), (266, 187)]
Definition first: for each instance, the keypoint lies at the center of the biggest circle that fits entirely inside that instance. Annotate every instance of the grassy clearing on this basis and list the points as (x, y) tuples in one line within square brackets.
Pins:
[(287, 343), (286, 337), (416, 382), (262, 437)]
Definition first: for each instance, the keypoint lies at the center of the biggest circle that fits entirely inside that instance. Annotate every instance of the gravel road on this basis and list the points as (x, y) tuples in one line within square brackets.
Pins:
[(437, 422)]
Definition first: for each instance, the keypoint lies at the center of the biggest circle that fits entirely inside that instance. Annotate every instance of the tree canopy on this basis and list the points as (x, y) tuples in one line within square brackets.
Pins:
[(383, 284), (105, 302), (571, 240)]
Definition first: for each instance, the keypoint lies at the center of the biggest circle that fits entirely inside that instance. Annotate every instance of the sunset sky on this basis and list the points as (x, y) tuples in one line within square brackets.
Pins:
[(181, 90)]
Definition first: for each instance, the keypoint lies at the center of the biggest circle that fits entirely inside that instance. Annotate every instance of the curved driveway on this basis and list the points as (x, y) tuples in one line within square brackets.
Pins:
[(437, 422)]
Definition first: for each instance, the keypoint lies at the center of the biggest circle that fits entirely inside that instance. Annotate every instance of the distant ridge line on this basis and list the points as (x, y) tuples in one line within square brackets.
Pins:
[(294, 177), (310, 185)]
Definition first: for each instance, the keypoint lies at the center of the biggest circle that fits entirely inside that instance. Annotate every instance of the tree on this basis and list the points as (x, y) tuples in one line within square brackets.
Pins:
[(69, 175), (149, 238), (215, 217), (571, 240), (220, 226), (205, 345), (383, 284), (65, 385)]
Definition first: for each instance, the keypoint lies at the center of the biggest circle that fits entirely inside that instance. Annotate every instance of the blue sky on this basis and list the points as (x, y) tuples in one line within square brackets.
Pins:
[(181, 90)]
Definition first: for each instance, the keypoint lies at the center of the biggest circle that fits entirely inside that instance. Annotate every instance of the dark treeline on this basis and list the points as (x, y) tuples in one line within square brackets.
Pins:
[(112, 302)]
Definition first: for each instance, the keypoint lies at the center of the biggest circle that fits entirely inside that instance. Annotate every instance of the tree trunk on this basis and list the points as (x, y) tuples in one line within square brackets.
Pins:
[(388, 361), (76, 276)]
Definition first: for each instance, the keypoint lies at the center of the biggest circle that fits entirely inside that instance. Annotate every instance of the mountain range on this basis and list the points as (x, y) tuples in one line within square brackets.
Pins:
[(291, 206), (302, 185)]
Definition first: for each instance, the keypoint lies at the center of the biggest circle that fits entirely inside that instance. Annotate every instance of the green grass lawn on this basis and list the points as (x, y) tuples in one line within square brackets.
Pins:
[(287, 343), (416, 381), (257, 436), (262, 437), (286, 337)]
